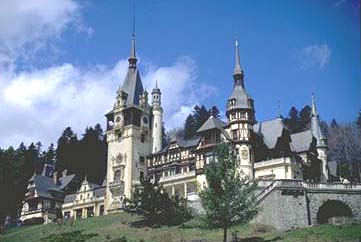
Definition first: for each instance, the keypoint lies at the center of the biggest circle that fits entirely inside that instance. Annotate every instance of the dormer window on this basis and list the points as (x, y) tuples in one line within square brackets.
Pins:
[(232, 103)]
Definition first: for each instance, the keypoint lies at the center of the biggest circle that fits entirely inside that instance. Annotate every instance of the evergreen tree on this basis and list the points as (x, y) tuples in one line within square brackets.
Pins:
[(49, 155), (152, 202), (93, 154), (214, 112), (293, 121), (190, 127), (305, 118), (197, 118), (201, 116), (334, 123), (165, 137), (229, 197), (67, 152)]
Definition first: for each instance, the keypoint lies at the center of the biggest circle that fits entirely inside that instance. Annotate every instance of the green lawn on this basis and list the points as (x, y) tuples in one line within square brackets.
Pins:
[(113, 227)]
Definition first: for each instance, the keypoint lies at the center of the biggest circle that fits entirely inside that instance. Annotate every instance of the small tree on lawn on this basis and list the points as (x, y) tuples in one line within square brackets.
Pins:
[(152, 202), (229, 197)]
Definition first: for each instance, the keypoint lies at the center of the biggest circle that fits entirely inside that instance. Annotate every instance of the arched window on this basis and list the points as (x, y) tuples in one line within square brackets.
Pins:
[(117, 175)]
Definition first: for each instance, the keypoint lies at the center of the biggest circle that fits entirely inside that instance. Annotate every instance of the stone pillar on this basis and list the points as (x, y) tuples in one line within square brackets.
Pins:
[(173, 191), (185, 190)]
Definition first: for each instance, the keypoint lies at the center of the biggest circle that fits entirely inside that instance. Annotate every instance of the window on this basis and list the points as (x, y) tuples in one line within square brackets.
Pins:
[(119, 135), (142, 159), (67, 214), (117, 175), (101, 210), (141, 175), (142, 138), (234, 134)]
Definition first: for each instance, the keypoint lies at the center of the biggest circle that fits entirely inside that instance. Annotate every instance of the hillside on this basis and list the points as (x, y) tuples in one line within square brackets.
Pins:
[(112, 227)]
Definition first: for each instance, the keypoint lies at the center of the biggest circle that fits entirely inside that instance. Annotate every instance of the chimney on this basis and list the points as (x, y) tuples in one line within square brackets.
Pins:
[(55, 177), (65, 171)]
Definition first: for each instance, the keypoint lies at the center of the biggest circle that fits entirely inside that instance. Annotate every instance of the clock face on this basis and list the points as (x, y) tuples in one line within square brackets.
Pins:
[(145, 120), (117, 120)]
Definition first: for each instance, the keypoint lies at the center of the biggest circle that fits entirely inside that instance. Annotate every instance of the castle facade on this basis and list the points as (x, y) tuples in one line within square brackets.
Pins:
[(265, 150)]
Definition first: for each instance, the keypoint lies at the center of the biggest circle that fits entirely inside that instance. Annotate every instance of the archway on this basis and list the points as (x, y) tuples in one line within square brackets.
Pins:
[(333, 209)]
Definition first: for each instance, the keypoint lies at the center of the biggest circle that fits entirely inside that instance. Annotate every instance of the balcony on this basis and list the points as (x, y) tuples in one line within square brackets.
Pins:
[(179, 176), (116, 188)]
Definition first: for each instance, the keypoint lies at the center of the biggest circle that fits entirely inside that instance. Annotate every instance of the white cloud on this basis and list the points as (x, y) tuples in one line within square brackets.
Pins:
[(39, 104), (27, 26), (314, 56)]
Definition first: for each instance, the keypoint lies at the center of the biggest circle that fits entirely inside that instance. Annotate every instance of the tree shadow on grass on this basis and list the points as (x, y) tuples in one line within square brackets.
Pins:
[(258, 239), (74, 236)]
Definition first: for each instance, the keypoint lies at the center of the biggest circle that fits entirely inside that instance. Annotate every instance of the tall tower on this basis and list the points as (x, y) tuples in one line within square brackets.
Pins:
[(321, 140), (128, 136), (157, 112), (240, 114)]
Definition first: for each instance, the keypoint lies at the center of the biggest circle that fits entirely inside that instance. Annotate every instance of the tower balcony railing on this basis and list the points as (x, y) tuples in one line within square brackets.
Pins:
[(116, 187), (178, 176)]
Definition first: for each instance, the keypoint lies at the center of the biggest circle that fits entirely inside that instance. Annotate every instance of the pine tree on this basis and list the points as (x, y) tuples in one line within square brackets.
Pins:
[(305, 118), (214, 112), (229, 197), (151, 201), (334, 123), (293, 121), (67, 152), (190, 127)]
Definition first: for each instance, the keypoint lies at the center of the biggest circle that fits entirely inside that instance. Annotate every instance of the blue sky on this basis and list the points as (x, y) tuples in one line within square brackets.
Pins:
[(62, 61)]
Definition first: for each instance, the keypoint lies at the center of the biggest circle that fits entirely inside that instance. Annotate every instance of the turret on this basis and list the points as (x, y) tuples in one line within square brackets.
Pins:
[(240, 113), (321, 140), (157, 113)]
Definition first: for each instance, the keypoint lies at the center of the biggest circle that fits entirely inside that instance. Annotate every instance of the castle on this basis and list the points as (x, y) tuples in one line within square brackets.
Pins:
[(266, 150), (292, 168)]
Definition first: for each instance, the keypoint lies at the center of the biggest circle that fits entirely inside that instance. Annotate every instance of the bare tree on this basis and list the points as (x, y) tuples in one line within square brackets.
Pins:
[(345, 148)]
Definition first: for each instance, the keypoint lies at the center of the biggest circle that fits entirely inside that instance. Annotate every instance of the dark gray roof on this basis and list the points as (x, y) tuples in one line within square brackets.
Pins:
[(133, 86), (184, 143), (187, 143), (69, 198), (100, 192), (65, 181), (243, 100), (212, 123), (44, 185), (301, 141), (271, 130)]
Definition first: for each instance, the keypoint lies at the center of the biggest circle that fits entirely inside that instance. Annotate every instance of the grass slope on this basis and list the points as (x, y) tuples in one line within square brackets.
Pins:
[(112, 227)]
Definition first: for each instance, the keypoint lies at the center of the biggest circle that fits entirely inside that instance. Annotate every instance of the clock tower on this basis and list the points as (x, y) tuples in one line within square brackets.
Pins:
[(129, 137)]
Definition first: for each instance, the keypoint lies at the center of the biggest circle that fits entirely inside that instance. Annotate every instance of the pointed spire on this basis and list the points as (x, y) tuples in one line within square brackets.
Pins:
[(238, 72), (132, 57), (314, 109), (315, 125), (279, 109)]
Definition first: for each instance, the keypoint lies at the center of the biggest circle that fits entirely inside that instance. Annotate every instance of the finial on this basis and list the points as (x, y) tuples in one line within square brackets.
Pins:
[(133, 27), (156, 83), (314, 109), (238, 72), (279, 108), (132, 57)]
